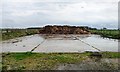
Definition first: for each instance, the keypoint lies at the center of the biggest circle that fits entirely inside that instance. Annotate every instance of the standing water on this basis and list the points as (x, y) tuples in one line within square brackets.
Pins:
[(22, 44), (104, 44), (60, 43)]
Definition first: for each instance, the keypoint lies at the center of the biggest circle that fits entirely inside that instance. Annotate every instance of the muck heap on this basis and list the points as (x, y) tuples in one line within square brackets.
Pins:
[(64, 30)]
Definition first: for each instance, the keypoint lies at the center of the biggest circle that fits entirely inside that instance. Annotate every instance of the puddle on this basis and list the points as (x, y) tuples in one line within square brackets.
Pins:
[(104, 44)]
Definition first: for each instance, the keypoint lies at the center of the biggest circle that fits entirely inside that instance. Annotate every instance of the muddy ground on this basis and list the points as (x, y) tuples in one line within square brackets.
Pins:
[(91, 64)]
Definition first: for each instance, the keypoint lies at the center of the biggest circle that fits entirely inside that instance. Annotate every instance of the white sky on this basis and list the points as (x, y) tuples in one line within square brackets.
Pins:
[(28, 13)]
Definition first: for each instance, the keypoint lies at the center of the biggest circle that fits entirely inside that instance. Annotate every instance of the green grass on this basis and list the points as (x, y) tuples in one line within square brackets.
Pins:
[(115, 34), (39, 61), (21, 56), (45, 61), (111, 54), (13, 33)]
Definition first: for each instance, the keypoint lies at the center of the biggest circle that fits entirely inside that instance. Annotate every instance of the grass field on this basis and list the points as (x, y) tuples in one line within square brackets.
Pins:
[(45, 61), (115, 34), (38, 61), (13, 33)]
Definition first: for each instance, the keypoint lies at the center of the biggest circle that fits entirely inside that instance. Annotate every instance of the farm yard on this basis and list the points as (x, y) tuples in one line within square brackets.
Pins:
[(60, 35), (36, 51)]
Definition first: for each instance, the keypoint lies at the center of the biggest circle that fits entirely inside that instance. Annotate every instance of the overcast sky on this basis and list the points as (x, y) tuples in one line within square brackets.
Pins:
[(32, 13)]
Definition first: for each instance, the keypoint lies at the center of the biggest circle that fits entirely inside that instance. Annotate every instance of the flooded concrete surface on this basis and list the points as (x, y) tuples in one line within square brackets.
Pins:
[(63, 46), (104, 44), (22, 44), (59, 43)]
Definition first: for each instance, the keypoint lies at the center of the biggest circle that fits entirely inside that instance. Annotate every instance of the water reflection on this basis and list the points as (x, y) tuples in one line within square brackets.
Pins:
[(104, 44), (60, 43)]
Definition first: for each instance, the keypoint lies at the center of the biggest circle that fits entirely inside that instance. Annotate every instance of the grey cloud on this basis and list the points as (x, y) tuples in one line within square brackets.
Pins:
[(20, 13)]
